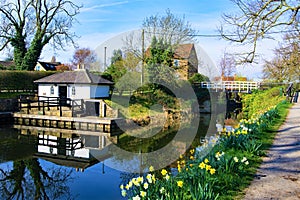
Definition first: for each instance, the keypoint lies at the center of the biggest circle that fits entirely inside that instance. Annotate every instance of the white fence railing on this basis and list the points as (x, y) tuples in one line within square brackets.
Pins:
[(240, 86)]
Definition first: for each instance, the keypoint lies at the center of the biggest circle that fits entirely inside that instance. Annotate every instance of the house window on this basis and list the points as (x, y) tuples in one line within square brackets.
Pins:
[(73, 90), (176, 63), (52, 90)]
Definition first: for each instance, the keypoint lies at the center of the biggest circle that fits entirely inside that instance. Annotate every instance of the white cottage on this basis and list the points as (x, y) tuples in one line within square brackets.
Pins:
[(78, 84)]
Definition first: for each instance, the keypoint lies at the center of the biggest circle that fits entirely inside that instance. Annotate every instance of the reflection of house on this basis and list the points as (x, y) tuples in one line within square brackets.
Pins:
[(78, 84), (185, 60), (78, 152), (46, 66)]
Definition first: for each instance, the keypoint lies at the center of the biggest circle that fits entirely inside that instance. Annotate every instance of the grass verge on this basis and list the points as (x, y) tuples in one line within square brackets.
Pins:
[(223, 173)]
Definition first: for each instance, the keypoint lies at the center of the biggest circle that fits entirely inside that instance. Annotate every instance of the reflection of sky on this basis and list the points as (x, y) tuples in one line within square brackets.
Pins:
[(93, 184)]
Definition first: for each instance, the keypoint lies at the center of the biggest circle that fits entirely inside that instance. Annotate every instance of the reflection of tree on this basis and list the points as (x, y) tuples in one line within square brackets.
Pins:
[(28, 180)]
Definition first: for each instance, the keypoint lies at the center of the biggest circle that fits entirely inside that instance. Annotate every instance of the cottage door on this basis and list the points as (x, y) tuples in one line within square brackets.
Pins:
[(62, 92)]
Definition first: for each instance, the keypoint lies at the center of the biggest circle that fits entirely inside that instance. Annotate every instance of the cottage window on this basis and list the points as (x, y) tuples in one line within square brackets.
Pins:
[(52, 90), (176, 63), (73, 90)]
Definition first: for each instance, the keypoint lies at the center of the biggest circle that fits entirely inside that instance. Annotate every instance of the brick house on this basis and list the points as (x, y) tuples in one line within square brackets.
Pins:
[(185, 60)]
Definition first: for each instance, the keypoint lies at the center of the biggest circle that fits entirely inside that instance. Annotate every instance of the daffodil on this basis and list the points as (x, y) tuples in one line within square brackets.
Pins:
[(149, 178), (244, 159), (140, 179), (146, 185), (151, 169), (206, 161), (207, 167), (179, 168), (124, 193), (162, 190), (179, 183), (202, 165), (137, 197), (236, 159), (212, 171), (164, 172), (167, 177), (143, 193), (192, 151)]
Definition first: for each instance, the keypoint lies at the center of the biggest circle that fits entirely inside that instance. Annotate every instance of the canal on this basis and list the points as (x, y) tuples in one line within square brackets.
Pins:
[(45, 163)]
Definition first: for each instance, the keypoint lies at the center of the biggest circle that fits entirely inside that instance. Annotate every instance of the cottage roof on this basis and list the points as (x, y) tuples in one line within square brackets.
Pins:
[(49, 66), (7, 64), (77, 76), (183, 51)]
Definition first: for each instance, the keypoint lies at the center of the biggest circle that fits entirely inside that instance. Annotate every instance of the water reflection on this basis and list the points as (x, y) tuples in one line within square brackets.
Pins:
[(39, 163)]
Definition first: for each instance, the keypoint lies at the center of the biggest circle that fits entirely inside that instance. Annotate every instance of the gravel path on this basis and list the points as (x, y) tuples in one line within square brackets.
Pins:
[(278, 177)]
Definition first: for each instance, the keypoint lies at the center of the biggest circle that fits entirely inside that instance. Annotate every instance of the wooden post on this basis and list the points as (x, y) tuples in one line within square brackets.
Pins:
[(72, 114), (60, 110), (43, 107)]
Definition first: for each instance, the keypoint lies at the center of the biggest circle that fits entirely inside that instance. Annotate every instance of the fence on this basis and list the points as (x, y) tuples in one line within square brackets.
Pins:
[(240, 86)]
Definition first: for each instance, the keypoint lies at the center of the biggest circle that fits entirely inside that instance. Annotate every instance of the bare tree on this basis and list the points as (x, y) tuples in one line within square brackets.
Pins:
[(27, 26), (285, 66), (258, 19), (169, 28), (227, 65), (83, 57), (28, 180)]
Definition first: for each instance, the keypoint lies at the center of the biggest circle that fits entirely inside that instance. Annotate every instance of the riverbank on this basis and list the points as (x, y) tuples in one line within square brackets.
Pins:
[(278, 177)]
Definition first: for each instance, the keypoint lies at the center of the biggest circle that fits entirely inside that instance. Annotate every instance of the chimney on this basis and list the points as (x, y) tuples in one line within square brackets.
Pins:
[(53, 59)]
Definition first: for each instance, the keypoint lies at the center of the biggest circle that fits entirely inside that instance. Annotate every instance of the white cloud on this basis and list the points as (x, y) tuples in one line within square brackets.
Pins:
[(95, 7)]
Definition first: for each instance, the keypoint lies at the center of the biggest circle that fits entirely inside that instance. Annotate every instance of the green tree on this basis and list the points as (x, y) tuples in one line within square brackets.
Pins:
[(159, 62), (117, 56), (198, 78), (27, 26), (256, 20)]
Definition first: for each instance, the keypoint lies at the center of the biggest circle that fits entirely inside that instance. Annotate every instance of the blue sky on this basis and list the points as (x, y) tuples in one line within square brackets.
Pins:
[(101, 20)]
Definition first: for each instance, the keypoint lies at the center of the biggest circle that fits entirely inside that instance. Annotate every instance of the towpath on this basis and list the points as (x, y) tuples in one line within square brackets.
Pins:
[(278, 177)]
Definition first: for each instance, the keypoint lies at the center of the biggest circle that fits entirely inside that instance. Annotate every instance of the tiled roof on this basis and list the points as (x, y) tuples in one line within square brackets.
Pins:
[(77, 76), (183, 51), (7, 63), (49, 66)]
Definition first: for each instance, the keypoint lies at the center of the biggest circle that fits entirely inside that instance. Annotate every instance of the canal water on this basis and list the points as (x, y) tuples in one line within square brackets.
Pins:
[(55, 164)]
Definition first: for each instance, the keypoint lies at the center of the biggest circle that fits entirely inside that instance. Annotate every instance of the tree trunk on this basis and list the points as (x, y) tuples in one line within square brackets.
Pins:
[(32, 55), (19, 46)]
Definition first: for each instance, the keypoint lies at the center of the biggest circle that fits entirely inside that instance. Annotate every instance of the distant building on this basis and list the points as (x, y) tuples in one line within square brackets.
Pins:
[(185, 60), (230, 78), (46, 66), (7, 65)]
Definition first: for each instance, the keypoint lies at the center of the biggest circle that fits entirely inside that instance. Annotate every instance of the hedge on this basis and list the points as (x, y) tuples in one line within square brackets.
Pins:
[(21, 80)]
